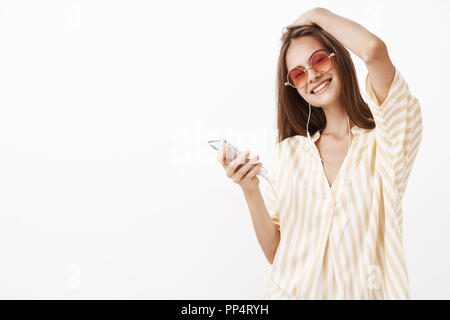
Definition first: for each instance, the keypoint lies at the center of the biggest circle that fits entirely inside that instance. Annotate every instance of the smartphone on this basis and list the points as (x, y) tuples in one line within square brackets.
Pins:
[(233, 153)]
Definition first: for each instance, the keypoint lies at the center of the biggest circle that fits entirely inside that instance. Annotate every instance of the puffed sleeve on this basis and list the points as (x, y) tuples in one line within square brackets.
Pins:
[(398, 123)]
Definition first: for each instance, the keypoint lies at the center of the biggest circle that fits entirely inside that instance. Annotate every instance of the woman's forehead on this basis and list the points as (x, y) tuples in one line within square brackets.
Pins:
[(301, 50)]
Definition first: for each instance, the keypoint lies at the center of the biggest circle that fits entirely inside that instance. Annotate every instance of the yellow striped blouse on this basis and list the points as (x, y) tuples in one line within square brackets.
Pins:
[(345, 241)]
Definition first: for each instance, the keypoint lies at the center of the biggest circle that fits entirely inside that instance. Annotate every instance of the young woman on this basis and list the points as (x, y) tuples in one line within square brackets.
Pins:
[(332, 227)]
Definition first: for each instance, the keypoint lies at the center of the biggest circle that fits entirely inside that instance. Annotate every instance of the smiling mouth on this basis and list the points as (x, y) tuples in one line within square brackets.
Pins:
[(329, 80)]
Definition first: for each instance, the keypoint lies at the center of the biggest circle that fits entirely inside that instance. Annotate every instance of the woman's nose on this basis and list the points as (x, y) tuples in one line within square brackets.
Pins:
[(313, 75)]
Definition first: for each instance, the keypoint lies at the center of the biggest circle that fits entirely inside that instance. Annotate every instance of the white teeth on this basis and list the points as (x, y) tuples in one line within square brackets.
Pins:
[(321, 86)]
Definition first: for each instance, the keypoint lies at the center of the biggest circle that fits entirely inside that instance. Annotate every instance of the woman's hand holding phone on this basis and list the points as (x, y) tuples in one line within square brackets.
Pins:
[(240, 172)]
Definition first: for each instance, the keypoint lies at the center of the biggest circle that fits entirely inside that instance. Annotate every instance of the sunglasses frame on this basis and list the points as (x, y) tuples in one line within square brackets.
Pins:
[(309, 67)]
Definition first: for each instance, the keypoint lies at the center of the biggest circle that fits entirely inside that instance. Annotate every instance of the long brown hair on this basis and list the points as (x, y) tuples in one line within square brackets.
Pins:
[(292, 113)]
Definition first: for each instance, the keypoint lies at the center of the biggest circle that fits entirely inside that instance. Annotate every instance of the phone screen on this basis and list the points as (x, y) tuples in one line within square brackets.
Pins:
[(232, 153)]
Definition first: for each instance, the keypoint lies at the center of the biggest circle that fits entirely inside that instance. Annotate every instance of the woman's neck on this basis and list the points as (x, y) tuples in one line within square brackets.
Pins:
[(337, 123)]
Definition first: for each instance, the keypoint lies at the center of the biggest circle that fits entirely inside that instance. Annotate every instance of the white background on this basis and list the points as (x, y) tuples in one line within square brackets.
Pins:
[(108, 189)]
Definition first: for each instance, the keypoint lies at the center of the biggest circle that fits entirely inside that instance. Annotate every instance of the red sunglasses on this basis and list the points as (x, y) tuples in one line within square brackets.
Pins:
[(320, 62)]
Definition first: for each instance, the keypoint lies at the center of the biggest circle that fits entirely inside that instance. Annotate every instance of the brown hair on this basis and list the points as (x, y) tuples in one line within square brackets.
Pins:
[(292, 113)]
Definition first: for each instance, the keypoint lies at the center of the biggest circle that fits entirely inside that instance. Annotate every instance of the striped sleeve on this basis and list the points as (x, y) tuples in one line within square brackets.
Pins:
[(399, 126), (268, 193)]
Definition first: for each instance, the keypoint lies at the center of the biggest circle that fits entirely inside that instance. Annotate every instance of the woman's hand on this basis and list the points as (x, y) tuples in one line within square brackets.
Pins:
[(242, 174), (306, 18)]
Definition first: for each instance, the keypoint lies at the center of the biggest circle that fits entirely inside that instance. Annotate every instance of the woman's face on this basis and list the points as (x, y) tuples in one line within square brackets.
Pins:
[(298, 54)]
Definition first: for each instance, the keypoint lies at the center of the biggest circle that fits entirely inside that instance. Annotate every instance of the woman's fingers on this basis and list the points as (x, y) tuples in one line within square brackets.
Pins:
[(236, 162), (248, 168), (221, 156), (253, 171), (243, 171), (305, 18)]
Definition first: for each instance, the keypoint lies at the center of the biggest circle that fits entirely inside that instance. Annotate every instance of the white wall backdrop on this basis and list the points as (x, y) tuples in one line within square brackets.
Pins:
[(108, 189)]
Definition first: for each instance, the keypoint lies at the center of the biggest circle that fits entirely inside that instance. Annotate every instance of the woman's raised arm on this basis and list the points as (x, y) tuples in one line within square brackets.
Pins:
[(350, 33), (366, 45)]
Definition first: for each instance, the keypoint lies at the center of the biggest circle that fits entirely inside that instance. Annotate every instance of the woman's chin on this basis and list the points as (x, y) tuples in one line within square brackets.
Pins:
[(322, 98)]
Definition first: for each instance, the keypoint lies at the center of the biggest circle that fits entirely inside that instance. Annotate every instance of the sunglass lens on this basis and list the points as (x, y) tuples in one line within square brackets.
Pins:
[(297, 77), (321, 62)]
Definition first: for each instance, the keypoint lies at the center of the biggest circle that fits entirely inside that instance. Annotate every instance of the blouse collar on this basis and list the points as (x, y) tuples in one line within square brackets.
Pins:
[(355, 130)]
